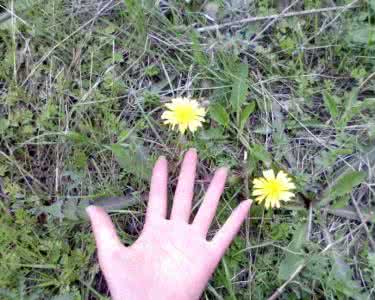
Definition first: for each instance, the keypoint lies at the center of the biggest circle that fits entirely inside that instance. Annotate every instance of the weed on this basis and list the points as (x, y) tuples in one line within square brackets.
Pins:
[(82, 86)]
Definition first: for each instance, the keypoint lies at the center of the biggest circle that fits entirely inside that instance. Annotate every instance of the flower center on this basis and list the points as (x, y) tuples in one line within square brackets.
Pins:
[(184, 114), (273, 187)]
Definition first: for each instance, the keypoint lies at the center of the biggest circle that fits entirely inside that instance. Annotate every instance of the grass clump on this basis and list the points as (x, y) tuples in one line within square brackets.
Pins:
[(82, 90)]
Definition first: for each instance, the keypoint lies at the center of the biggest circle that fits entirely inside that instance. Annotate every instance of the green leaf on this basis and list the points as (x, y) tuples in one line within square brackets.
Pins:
[(245, 114), (133, 160), (70, 209), (341, 202), (239, 89), (228, 280), (289, 265), (293, 260), (67, 296), (345, 178), (331, 105), (371, 260), (211, 134), (299, 238), (136, 13), (198, 53), (77, 138), (351, 108), (261, 154), (54, 210), (219, 114), (341, 278), (362, 34), (346, 183), (4, 124)]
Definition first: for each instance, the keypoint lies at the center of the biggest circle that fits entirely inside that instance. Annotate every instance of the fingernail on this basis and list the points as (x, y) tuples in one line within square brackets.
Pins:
[(223, 169), (161, 158), (90, 209), (193, 150), (249, 201)]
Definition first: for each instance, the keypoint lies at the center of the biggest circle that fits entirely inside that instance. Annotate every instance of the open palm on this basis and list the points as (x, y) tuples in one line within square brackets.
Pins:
[(171, 259)]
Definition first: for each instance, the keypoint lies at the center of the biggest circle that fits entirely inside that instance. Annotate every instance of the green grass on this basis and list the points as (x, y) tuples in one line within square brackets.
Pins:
[(82, 90)]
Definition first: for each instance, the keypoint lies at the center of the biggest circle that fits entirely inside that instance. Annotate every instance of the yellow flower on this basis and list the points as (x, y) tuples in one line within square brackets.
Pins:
[(185, 113), (273, 189)]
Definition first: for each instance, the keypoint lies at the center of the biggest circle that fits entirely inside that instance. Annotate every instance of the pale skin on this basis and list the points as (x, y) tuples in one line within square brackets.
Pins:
[(172, 258)]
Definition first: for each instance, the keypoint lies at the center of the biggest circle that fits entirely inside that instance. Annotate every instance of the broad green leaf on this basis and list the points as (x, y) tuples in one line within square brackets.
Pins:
[(77, 137), (371, 260), (261, 154), (133, 160), (239, 89), (228, 280), (116, 202), (219, 114), (346, 183), (214, 133), (351, 108), (299, 238), (20, 6), (331, 105), (368, 103), (54, 210), (289, 265), (362, 34), (293, 260), (245, 114), (67, 296), (4, 124), (70, 209), (341, 278), (345, 175), (198, 53), (5, 18), (341, 202)]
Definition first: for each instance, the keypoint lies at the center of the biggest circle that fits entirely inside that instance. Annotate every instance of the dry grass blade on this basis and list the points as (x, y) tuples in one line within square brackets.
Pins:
[(273, 21), (363, 221), (287, 15)]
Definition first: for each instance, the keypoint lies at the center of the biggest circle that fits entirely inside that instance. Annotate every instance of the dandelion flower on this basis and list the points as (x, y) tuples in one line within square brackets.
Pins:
[(273, 189), (184, 113)]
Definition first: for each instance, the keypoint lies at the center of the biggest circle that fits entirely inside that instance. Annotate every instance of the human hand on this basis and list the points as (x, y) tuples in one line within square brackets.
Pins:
[(171, 259)]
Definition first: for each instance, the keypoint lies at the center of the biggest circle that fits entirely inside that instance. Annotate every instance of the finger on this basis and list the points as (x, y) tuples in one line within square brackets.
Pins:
[(104, 231), (157, 203), (207, 211), (231, 227), (185, 187)]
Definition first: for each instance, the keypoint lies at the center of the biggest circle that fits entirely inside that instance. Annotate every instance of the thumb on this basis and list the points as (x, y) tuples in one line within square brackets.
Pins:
[(104, 231)]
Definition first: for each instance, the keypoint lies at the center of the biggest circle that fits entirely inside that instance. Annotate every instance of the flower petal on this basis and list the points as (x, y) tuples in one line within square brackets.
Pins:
[(269, 174), (285, 196), (259, 182), (258, 192), (184, 112)]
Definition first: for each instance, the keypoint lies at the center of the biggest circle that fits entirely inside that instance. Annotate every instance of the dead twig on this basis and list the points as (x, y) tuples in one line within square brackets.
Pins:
[(363, 221), (273, 21), (344, 8), (281, 289), (366, 81), (48, 53), (277, 16), (350, 213), (309, 224)]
